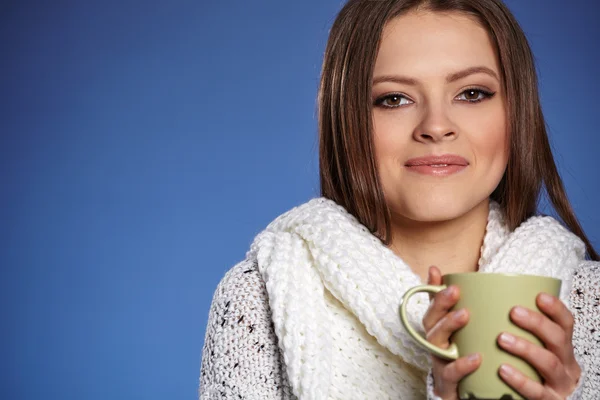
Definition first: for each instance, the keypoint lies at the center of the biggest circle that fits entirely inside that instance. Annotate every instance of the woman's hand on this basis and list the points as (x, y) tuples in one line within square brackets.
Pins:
[(556, 363), (439, 325)]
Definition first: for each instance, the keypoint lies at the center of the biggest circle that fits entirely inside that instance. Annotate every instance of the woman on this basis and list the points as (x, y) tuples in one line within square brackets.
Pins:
[(433, 152)]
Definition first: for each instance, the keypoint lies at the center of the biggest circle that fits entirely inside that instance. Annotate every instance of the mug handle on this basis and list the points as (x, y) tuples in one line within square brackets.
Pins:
[(451, 353)]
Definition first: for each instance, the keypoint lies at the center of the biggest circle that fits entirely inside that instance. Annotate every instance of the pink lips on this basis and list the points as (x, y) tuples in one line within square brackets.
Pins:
[(437, 165)]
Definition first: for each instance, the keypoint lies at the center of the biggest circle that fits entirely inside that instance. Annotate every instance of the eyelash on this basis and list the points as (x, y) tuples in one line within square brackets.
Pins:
[(486, 95)]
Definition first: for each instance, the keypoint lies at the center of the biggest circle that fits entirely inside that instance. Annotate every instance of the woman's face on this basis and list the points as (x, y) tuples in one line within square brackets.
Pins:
[(437, 92)]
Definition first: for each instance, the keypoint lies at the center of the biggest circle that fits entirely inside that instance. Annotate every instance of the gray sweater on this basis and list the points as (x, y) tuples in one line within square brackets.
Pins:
[(241, 358)]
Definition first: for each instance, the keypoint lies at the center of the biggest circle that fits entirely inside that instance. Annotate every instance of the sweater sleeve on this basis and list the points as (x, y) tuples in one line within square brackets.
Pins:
[(240, 357), (430, 388), (585, 306)]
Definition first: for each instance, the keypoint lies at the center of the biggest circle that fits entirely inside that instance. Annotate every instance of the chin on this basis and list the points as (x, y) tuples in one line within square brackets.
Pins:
[(437, 208)]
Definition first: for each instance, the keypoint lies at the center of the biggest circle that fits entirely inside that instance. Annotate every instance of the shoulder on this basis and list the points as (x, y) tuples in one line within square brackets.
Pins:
[(243, 281), (241, 301), (588, 268), (586, 285), (587, 277)]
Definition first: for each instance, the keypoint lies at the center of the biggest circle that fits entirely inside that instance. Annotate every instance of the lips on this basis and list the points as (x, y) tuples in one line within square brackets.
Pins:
[(437, 165), (437, 161)]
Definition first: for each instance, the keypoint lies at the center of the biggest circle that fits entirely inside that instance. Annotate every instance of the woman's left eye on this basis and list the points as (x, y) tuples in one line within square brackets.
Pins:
[(475, 95)]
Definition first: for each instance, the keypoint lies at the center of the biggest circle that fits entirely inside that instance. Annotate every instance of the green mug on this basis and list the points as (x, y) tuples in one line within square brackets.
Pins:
[(488, 297)]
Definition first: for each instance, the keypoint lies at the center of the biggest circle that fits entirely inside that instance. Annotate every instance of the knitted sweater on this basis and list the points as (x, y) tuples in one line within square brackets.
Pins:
[(241, 358), (243, 355)]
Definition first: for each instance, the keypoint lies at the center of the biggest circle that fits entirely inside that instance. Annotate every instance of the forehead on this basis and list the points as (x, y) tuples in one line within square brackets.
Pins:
[(433, 43)]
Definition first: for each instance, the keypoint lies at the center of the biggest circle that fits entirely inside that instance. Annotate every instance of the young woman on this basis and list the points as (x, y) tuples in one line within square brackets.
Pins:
[(433, 152)]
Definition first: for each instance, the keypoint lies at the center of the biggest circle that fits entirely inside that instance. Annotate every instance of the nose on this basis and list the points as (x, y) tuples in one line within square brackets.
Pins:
[(435, 126)]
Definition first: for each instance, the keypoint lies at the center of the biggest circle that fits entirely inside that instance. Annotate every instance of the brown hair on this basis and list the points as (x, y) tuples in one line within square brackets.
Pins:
[(348, 171)]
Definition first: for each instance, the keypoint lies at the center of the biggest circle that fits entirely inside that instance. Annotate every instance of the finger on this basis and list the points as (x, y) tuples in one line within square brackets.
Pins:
[(434, 277), (455, 371), (439, 307), (549, 332), (440, 334), (527, 387), (544, 361), (558, 312)]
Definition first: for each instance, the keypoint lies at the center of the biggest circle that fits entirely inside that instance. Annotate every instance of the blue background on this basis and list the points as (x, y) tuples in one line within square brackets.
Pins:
[(144, 144)]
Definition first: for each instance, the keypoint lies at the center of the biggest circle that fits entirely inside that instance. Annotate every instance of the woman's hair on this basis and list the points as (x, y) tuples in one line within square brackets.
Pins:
[(348, 170)]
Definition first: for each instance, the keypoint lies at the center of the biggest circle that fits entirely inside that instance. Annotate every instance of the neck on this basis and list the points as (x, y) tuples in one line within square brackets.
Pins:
[(453, 246)]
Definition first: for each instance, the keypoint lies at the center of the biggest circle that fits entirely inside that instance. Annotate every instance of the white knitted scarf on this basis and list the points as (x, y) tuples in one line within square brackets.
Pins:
[(319, 246)]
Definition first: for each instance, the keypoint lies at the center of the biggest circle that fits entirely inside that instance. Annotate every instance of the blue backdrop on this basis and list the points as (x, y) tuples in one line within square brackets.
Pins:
[(144, 144)]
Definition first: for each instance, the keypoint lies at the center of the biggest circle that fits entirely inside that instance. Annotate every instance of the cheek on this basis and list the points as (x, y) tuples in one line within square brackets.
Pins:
[(490, 140), (496, 145), (389, 138)]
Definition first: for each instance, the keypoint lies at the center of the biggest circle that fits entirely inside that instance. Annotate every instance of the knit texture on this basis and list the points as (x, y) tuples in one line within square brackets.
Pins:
[(337, 326), (241, 360)]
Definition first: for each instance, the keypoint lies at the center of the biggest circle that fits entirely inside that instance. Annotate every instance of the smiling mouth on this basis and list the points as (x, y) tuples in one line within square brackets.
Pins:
[(437, 170), (437, 165)]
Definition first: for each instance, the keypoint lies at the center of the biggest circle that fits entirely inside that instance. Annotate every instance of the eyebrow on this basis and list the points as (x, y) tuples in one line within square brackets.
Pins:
[(455, 76)]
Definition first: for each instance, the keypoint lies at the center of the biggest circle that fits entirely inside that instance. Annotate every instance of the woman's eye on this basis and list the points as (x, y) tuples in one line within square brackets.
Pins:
[(393, 101), (474, 95)]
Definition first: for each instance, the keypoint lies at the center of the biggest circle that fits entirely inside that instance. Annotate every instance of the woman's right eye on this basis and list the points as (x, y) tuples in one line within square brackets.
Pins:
[(392, 101)]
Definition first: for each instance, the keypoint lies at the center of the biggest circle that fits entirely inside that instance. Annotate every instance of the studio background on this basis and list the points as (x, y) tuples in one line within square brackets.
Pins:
[(144, 144)]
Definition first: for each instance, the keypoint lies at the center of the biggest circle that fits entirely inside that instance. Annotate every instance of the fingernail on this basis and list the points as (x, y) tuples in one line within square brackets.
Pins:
[(507, 370), (546, 299), (520, 312), (473, 358), (507, 338), (460, 314)]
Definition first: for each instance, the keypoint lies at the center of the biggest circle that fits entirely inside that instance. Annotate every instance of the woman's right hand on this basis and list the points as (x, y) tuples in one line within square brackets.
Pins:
[(439, 325)]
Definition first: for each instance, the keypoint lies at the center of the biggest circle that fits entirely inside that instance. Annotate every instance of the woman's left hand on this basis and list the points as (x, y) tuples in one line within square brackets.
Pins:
[(556, 363)]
